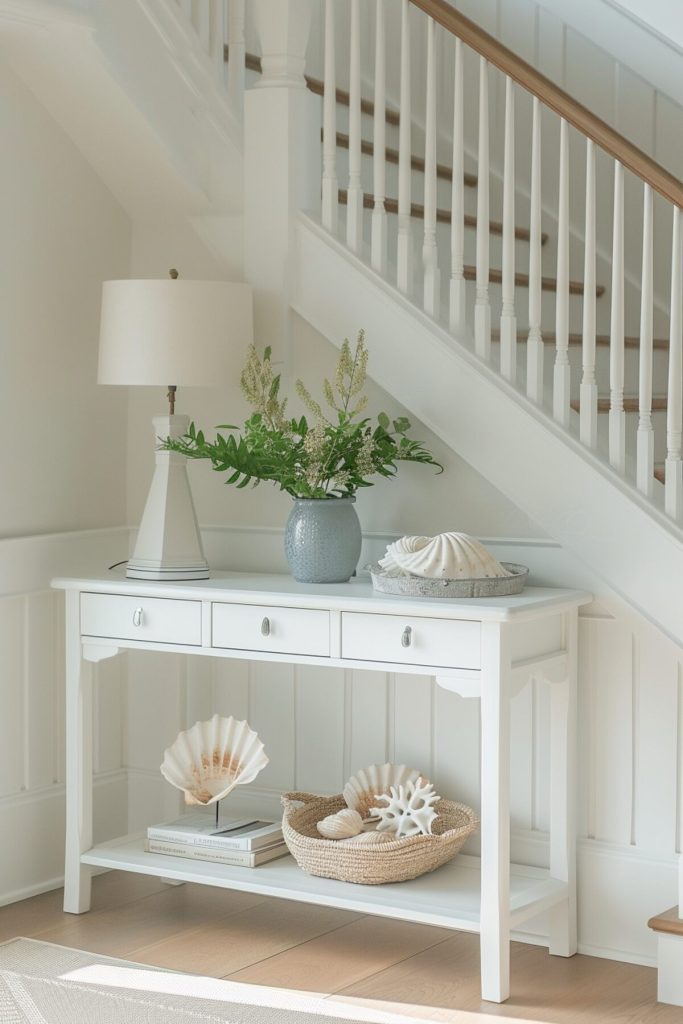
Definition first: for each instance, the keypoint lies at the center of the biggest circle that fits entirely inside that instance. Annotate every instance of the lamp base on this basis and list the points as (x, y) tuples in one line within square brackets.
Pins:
[(168, 545), (135, 571)]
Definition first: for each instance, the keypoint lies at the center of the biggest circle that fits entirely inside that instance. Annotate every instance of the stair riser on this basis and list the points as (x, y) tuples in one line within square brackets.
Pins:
[(495, 290), (417, 180), (631, 359)]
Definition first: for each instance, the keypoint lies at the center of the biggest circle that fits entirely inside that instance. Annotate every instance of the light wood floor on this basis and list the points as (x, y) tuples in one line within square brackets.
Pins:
[(408, 968)]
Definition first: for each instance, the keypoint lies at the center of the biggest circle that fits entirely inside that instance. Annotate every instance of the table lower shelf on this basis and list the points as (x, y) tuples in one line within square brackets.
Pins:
[(448, 897)]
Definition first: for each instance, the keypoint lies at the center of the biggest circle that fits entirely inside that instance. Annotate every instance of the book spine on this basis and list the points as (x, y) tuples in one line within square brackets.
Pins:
[(192, 852), (210, 842)]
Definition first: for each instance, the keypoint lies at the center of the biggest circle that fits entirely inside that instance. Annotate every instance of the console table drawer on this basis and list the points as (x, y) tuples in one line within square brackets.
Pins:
[(156, 620), (280, 630), (411, 640)]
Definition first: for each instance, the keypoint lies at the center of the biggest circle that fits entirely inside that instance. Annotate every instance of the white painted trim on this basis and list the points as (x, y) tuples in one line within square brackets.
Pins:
[(57, 789), (29, 563)]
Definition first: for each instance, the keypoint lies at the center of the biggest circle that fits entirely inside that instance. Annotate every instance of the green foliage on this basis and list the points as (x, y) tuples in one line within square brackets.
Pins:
[(326, 458)]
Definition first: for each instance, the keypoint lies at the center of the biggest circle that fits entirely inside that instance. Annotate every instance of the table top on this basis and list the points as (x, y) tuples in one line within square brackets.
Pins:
[(356, 595)]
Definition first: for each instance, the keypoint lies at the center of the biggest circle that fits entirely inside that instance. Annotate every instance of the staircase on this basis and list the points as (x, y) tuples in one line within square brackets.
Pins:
[(553, 385)]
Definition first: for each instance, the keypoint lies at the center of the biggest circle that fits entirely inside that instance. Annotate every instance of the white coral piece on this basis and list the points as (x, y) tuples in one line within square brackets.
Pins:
[(409, 809)]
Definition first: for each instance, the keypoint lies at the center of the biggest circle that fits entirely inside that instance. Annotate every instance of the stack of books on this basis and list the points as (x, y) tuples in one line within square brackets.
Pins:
[(242, 842)]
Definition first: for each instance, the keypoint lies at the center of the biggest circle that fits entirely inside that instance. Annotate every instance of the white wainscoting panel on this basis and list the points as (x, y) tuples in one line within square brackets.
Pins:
[(32, 709)]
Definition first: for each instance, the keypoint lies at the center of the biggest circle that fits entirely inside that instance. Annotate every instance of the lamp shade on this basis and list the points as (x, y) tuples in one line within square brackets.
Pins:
[(181, 332)]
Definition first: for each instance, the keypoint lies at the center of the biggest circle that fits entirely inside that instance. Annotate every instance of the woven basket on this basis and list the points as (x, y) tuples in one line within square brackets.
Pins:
[(395, 861)]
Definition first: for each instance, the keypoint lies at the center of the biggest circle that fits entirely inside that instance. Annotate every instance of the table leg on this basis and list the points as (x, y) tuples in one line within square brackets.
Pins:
[(495, 813), (77, 876), (562, 938)]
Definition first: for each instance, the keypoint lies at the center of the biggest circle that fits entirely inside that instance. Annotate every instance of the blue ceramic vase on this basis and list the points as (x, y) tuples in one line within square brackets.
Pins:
[(322, 540)]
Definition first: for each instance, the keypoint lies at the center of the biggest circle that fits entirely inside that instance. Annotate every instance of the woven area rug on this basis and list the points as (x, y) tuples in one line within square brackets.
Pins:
[(41, 983)]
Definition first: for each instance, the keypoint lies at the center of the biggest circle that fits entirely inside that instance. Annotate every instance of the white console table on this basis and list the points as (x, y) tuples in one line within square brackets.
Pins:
[(486, 649)]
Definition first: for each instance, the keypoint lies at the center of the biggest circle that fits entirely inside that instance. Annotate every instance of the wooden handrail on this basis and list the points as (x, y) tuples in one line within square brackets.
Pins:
[(555, 98)]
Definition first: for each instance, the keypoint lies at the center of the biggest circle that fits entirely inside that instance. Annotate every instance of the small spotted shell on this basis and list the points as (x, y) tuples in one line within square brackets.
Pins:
[(369, 839), (342, 825)]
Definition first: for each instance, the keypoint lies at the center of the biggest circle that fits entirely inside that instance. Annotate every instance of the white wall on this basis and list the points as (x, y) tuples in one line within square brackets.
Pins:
[(63, 467), (664, 16), (63, 233)]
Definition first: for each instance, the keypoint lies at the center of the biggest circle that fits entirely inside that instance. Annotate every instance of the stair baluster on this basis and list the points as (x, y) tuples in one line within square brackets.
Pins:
[(589, 387), (203, 25), (404, 256), (218, 38), (354, 208), (430, 257), (482, 305), (378, 256), (237, 51), (457, 314), (673, 485), (330, 186), (617, 416), (534, 348), (561, 372), (645, 443), (508, 320)]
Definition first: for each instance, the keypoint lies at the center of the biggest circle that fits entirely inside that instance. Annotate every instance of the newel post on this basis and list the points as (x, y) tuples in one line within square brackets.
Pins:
[(282, 172)]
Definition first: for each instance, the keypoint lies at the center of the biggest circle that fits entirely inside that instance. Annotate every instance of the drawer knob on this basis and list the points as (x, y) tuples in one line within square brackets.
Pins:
[(265, 626), (137, 617), (406, 637)]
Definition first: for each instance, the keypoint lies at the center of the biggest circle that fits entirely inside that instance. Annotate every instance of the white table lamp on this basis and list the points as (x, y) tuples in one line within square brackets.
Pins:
[(171, 333)]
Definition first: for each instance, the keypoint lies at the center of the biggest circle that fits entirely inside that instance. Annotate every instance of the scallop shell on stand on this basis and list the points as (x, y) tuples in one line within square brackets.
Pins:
[(363, 788), (448, 556), (210, 759), (342, 825)]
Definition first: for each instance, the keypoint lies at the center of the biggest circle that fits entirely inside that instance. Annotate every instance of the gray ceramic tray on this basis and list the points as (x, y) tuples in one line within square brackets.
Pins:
[(417, 586)]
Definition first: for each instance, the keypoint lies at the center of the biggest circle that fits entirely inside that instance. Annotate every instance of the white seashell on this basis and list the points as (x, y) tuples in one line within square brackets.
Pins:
[(342, 825), (449, 556), (363, 788), (369, 839), (409, 809), (210, 759)]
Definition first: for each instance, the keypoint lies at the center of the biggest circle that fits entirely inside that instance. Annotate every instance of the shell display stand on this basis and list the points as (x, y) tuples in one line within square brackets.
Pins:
[(478, 587), (484, 650)]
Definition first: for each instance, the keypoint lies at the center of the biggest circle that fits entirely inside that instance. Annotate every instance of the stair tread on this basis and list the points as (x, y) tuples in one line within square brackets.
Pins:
[(669, 921), (548, 284), (416, 162), (631, 403), (252, 62), (602, 340), (442, 216)]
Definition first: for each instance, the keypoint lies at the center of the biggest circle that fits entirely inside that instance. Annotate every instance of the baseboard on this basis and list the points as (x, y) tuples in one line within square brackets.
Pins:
[(35, 820)]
